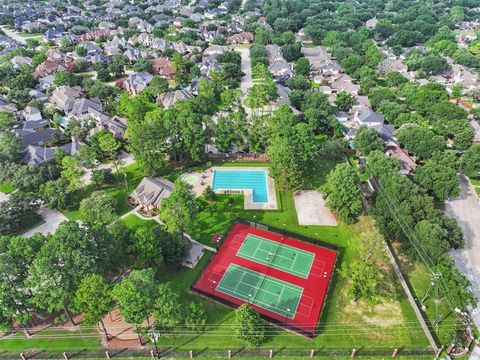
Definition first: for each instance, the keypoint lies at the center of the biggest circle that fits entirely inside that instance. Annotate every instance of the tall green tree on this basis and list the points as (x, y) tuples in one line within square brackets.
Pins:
[(367, 140), (179, 210), (136, 296), (249, 327), (63, 261), (98, 209), (94, 298), (342, 192)]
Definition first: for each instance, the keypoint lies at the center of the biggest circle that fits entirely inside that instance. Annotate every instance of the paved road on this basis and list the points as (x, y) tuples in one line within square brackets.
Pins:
[(52, 219), (15, 36), (246, 82), (466, 210)]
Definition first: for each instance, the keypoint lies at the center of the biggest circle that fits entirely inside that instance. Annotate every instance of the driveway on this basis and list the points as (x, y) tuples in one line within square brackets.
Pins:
[(51, 218), (465, 209), (125, 157)]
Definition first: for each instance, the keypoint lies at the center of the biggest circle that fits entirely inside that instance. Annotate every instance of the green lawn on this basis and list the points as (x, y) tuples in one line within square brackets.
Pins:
[(6, 187), (53, 340)]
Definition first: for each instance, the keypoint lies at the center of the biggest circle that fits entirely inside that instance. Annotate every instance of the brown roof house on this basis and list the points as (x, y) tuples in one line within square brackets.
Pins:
[(150, 193), (242, 38), (169, 98), (162, 67)]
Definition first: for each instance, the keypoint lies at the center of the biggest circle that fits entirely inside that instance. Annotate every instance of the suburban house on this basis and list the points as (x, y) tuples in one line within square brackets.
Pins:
[(369, 117), (162, 67), (137, 82), (150, 193), (168, 99), (242, 38), (41, 154), (18, 61), (64, 97)]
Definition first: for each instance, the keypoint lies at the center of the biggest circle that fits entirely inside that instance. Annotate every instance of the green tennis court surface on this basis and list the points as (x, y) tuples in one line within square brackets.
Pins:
[(262, 290), (279, 256)]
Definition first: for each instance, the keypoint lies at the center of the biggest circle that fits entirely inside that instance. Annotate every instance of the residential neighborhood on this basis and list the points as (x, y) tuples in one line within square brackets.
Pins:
[(257, 178)]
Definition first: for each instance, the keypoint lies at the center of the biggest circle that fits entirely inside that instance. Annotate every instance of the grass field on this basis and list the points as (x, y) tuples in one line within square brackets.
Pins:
[(6, 187)]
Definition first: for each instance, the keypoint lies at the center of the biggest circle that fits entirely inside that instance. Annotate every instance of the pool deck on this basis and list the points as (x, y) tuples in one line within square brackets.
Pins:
[(206, 179)]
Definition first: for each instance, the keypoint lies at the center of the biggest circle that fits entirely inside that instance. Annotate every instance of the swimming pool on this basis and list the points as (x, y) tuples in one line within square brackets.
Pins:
[(240, 180)]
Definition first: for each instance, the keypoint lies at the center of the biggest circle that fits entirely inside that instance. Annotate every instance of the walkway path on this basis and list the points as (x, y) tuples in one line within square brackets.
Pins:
[(465, 209)]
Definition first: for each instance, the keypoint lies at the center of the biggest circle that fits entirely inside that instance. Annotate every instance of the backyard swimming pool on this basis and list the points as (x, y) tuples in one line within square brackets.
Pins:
[(241, 180)]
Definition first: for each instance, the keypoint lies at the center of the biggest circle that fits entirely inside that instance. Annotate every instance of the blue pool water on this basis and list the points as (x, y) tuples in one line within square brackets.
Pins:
[(237, 179)]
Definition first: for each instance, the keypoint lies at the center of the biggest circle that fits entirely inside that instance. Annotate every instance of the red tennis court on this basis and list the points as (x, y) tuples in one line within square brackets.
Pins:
[(284, 279)]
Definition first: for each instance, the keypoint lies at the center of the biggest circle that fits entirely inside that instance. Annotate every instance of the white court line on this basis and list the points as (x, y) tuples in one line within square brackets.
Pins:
[(309, 307), (270, 244)]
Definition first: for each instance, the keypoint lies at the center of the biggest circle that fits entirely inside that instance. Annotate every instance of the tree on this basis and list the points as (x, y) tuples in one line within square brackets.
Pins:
[(302, 66), (365, 278), (470, 161), (10, 147), (195, 316), (94, 298), (136, 296), (173, 247), (292, 151), (249, 327), (87, 156), (342, 192), (439, 179), (103, 176), (55, 193), (179, 210), (457, 92), (72, 172), (98, 209), (421, 141), (18, 213), (107, 144), (7, 120), (118, 65), (367, 140), (142, 65), (146, 248), (167, 312), (431, 241), (345, 101), (64, 260)]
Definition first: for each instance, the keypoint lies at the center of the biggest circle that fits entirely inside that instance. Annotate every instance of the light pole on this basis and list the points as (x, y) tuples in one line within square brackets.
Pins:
[(255, 221), (284, 229), (213, 288), (286, 316), (125, 178), (217, 242), (316, 239)]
